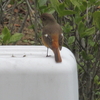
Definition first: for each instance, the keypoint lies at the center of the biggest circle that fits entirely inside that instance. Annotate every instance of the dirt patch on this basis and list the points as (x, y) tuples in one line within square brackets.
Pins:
[(17, 20)]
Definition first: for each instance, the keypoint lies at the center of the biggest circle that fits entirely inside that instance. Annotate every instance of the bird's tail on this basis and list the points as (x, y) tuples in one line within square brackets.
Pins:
[(57, 55)]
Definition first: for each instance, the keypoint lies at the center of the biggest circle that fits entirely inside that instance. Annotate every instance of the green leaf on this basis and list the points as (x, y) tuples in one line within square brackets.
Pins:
[(25, 41), (88, 32), (91, 42), (96, 79), (16, 37), (71, 40), (66, 12), (5, 31), (31, 27), (0, 42), (96, 19), (42, 8), (49, 10), (99, 83), (62, 5), (67, 28), (6, 35), (86, 56), (1, 36), (97, 3), (42, 2), (68, 3), (97, 93), (76, 3), (81, 27), (32, 42), (84, 3), (93, 1), (60, 8), (55, 4), (78, 19), (80, 4)]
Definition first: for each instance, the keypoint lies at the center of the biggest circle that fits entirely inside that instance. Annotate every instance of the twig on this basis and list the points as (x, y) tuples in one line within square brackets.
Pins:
[(1, 14), (33, 15), (80, 44), (4, 7), (13, 21), (10, 21), (83, 68), (36, 23), (29, 6), (87, 17), (23, 23)]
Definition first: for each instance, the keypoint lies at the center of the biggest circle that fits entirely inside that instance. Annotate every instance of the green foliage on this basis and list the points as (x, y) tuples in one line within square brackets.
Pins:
[(81, 28), (41, 2), (87, 32), (67, 28), (80, 20), (16, 37), (91, 42), (96, 80), (96, 16), (41, 6), (86, 56), (6, 37), (60, 8), (71, 40), (54, 5)]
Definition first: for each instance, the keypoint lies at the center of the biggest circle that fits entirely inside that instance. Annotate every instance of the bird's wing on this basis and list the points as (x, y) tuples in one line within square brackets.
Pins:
[(61, 39), (47, 40)]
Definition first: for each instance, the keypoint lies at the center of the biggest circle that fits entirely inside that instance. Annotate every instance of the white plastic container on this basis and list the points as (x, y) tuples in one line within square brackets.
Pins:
[(27, 74)]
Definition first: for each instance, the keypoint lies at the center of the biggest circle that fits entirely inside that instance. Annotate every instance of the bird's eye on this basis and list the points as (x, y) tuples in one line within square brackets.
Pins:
[(43, 18)]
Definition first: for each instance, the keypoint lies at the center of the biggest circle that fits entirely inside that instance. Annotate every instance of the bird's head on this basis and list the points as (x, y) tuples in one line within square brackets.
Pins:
[(47, 18)]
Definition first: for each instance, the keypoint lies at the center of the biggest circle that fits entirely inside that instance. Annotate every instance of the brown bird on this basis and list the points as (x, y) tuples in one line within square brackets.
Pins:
[(52, 36)]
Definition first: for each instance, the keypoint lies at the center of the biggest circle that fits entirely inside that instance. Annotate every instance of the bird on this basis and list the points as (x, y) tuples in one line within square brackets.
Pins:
[(52, 35)]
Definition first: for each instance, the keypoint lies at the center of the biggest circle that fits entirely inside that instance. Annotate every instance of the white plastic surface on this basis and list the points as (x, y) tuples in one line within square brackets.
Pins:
[(27, 74)]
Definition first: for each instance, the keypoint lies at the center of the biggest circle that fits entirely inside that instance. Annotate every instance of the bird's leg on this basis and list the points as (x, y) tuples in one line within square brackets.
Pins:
[(47, 53)]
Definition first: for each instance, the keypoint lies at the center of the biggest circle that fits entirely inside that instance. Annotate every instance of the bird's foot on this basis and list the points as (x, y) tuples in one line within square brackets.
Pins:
[(48, 55)]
